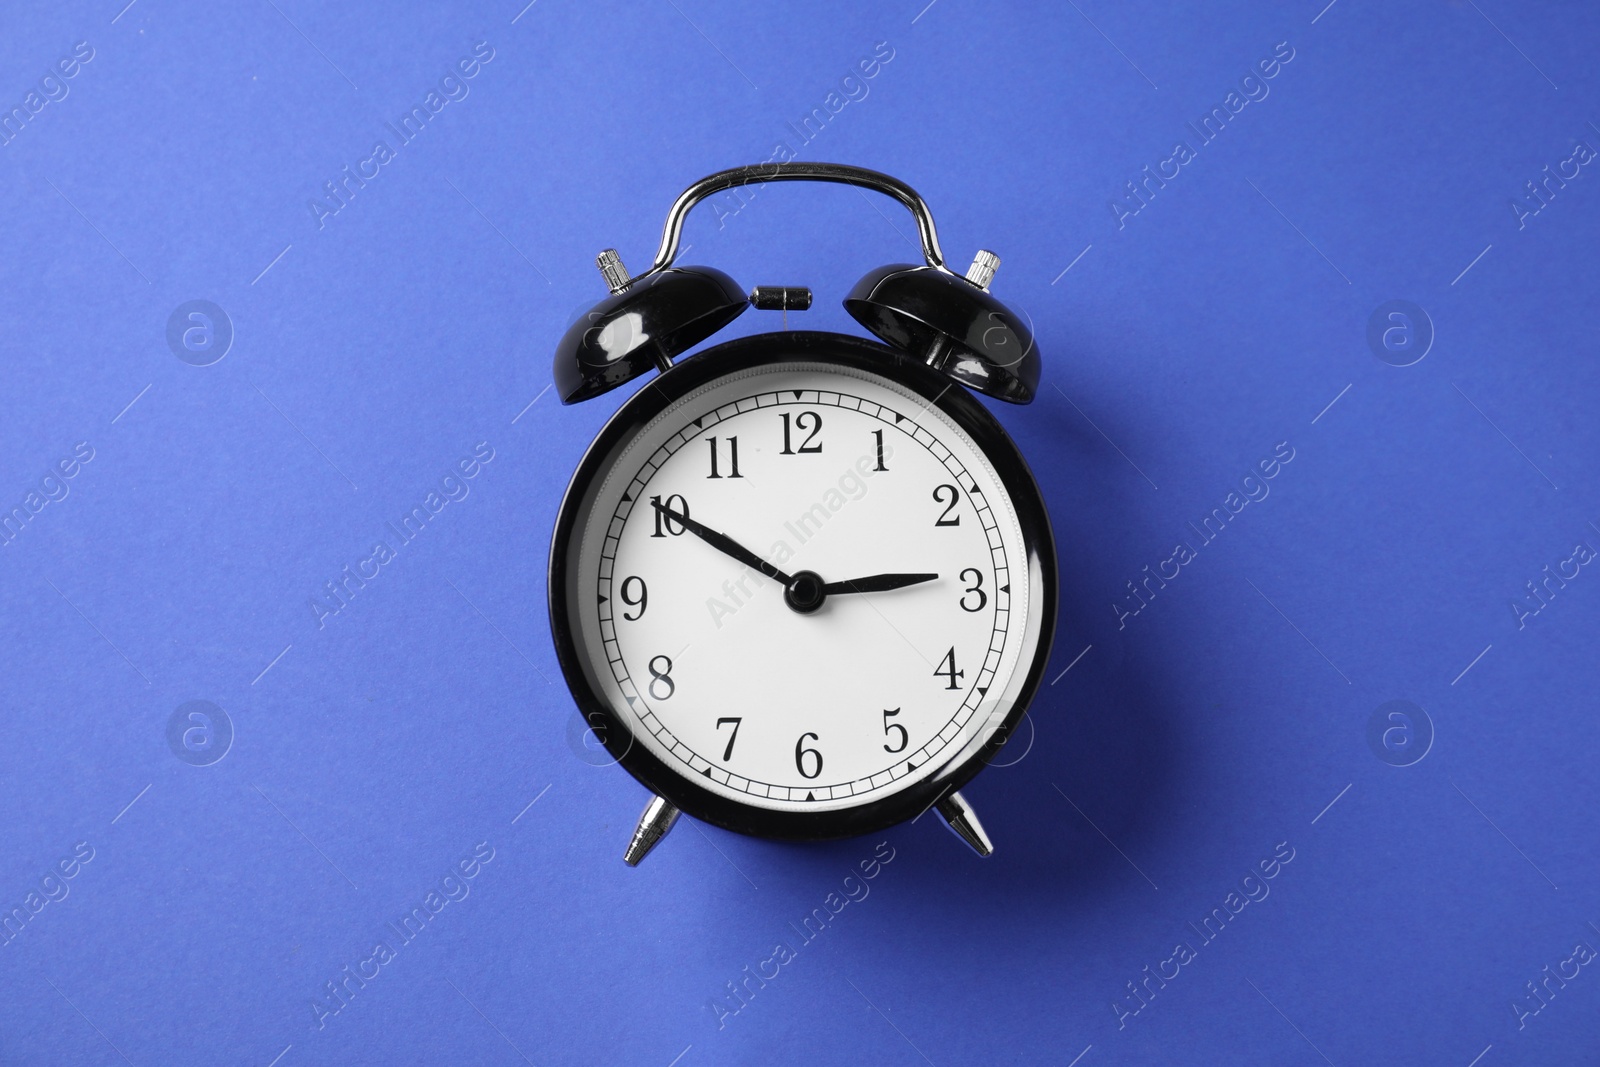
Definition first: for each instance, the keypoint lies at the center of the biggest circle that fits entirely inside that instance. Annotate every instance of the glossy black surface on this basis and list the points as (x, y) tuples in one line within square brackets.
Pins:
[(780, 298), (877, 583), (984, 344), (642, 328), (690, 374), (804, 592)]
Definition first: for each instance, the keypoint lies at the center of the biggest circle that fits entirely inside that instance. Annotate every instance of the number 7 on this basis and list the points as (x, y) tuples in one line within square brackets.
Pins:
[(727, 753)]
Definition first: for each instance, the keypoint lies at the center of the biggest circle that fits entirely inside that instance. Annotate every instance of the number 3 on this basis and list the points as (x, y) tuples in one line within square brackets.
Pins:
[(975, 587)]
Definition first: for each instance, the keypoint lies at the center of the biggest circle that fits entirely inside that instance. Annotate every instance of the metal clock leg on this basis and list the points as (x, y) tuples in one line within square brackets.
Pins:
[(653, 825), (964, 821)]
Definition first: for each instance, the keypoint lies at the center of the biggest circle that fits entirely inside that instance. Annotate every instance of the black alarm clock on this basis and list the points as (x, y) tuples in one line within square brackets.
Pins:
[(802, 585)]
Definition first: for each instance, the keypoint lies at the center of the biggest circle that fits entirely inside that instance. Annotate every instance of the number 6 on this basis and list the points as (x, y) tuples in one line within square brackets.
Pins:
[(801, 751)]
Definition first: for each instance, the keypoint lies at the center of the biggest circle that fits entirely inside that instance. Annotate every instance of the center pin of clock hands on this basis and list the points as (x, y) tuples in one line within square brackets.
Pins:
[(804, 591)]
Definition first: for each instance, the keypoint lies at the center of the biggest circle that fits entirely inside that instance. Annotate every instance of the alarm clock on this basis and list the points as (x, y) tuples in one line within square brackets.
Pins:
[(802, 585)]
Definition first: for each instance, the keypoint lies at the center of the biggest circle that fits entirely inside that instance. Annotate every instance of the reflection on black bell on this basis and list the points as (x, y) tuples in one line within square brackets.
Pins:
[(641, 326), (953, 323)]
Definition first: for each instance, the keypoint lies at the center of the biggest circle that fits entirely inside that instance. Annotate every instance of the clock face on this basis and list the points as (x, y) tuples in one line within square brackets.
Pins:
[(709, 531)]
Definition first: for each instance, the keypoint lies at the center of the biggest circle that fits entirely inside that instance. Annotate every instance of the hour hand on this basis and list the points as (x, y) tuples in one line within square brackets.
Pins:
[(876, 583), (722, 543)]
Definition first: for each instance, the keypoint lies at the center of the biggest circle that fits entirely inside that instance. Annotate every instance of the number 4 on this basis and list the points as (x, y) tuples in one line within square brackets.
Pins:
[(947, 669)]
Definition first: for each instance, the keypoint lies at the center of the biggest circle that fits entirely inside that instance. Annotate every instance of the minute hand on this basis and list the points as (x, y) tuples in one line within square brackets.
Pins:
[(876, 583), (723, 543)]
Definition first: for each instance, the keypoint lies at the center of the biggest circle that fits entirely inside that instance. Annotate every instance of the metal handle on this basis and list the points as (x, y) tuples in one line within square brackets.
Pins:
[(801, 172)]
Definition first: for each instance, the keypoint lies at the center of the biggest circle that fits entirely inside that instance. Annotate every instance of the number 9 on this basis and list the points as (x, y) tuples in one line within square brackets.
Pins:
[(640, 600)]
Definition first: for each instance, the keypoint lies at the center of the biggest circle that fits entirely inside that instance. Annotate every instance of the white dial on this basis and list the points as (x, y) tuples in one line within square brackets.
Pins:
[(820, 471)]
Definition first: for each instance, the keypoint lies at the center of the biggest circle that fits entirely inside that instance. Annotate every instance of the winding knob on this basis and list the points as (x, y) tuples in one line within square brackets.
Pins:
[(612, 270), (984, 264)]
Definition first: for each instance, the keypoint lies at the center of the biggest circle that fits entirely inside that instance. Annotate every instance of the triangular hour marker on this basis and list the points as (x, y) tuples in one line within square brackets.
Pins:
[(697, 421), (1006, 588), (898, 416), (630, 701), (626, 498), (983, 691), (797, 394), (910, 767), (602, 598), (706, 771), (811, 796)]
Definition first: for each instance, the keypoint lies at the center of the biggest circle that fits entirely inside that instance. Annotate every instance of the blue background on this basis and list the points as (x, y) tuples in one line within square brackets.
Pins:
[(374, 349)]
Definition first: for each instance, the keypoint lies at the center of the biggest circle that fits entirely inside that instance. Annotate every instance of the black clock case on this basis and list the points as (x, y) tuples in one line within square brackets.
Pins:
[(846, 351)]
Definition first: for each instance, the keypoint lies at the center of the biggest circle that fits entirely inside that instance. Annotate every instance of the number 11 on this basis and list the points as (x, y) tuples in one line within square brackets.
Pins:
[(733, 457)]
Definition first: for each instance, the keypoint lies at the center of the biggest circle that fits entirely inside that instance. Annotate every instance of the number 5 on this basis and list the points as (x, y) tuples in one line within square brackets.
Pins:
[(887, 726)]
